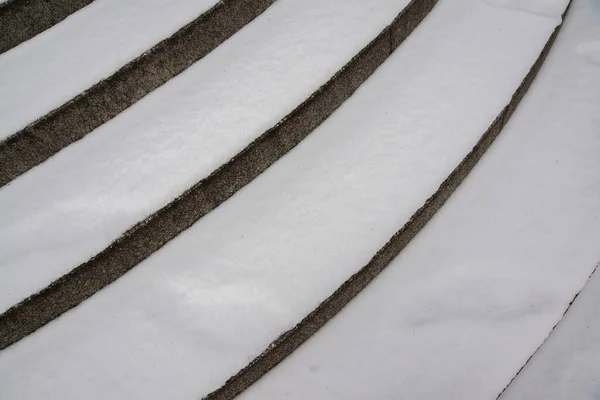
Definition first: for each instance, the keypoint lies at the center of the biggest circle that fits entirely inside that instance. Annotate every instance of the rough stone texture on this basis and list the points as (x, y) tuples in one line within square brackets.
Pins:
[(140, 241), (103, 101), (20, 20), (406, 22)]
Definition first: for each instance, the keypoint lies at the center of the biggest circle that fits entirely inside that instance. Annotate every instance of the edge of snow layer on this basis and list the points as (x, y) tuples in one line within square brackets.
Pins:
[(23, 19), (565, 366), (146, 237), (88, 110), (290, 340)]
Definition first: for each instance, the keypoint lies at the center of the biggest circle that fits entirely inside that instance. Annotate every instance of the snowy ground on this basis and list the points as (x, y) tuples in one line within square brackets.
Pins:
[(567, 366), (48, 70), (470, 299), (76, 203), (183, 321)]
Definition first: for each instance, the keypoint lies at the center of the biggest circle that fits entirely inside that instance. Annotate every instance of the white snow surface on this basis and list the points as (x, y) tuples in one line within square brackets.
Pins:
[(183, 321), (462, 308), (567, 365), (76, 203), (548, 8), (51, 68)]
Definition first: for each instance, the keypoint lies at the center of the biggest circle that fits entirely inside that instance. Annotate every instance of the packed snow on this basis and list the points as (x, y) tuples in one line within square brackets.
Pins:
[(50, 69), (183, 321), (75, 204), (458, 313)]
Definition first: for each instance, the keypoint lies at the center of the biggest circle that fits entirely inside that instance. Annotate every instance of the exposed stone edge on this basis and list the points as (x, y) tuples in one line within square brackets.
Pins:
[(23, 19)]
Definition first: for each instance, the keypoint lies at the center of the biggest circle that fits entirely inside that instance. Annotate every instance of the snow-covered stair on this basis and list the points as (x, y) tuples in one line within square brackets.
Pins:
[(178, 136), (64, 83), (463, 307), (201, 308), (52, 68)]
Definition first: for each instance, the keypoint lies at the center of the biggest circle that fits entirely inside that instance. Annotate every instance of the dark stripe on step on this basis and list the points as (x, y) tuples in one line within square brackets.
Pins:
[(20, 20)]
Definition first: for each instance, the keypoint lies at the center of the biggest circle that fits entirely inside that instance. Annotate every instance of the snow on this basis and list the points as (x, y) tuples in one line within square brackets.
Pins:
[(566, 367), (548, 8), (75, 204), (91, 44), (202, 307), (458, 313)]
